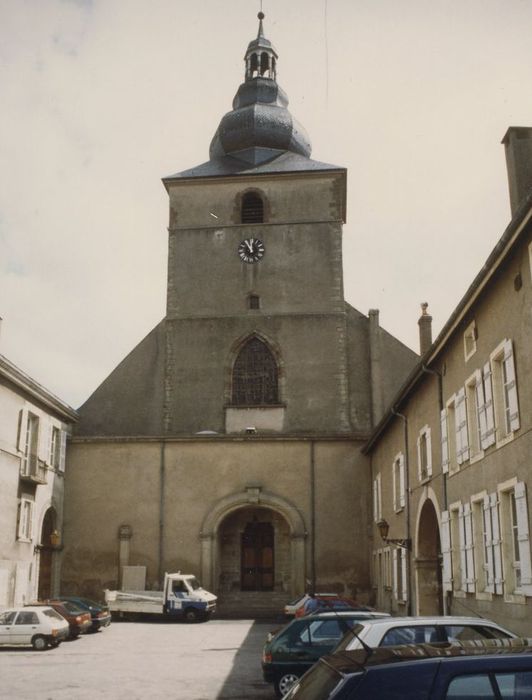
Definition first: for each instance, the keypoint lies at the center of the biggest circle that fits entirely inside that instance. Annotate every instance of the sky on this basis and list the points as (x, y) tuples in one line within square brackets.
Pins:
[(103, 98)]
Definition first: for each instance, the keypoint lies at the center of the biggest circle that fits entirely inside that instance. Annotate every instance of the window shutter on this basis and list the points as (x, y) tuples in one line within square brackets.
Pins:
[(62, 453), (419, 475), (496, 541), (511, 386), (468, 529), (488, 438), (444, 442), (462, 446), (395, 485), (447, 578), (394, 572), (488, 546), (402, 481), (523, 538), (375, 518), (429, 452), (22, 427), (402, 553), (462, 539), (481, 408)]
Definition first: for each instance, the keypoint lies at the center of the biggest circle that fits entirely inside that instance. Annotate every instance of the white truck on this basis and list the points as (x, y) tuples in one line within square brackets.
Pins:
[(182, 597)]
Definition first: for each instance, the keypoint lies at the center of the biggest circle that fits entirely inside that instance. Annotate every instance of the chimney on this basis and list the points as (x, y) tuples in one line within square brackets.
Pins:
[(377, 398), (518, 149), (425, 329)]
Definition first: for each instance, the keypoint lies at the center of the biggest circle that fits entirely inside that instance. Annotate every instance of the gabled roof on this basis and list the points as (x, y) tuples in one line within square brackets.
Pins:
[(515, 230)]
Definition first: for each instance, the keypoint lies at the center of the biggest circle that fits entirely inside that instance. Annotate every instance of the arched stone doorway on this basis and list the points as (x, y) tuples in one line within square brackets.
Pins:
[(427, 562), (254, 546), (46, 555), (253, 540)]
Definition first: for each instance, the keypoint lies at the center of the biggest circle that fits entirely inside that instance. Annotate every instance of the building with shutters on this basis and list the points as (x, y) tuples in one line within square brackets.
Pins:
[(451, 459), (33, 432), (228, 442)]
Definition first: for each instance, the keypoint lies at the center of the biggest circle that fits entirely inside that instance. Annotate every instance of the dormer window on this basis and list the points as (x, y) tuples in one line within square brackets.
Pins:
[(252, 209)]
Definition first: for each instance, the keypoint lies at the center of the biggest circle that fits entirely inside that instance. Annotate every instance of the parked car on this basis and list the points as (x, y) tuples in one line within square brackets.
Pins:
[(414, 630), (100, 614), (322, 604), (294, 605), (35, 625), (473, 670), (293, 649), (79, 620)]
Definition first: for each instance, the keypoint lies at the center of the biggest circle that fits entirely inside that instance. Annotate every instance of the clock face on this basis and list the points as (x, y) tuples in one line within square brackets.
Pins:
[(251, 250)]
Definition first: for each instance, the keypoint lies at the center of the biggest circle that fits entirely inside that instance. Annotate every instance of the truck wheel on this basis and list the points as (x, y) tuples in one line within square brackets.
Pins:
[(284, 683), (190, 615), (39, 642)]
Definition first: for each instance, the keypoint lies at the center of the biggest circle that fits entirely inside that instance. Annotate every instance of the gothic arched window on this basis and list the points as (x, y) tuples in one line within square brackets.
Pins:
[(255, 381), (252, 208)]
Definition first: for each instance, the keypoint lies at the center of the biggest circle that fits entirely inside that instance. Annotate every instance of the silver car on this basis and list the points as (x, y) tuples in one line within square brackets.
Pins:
[(391, 631), (38, 626)]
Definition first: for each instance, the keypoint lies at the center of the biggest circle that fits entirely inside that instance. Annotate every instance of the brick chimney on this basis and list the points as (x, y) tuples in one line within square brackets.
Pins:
[(518, 149), (425, 329)]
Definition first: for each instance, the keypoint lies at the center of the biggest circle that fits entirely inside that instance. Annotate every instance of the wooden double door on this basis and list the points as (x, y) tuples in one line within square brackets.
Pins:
[(257, 557)]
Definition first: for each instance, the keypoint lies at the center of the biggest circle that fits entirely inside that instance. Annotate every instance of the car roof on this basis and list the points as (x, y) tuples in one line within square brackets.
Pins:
[(358, 659), (434, 620), (33, 606), (360, 614)]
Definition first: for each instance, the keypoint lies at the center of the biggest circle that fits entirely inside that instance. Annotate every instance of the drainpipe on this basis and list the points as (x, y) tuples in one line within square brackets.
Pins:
[(407, 511), (160, 574), (312, 517)]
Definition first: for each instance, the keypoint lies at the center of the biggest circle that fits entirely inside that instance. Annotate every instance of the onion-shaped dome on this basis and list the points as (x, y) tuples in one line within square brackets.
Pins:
[(260, 118)]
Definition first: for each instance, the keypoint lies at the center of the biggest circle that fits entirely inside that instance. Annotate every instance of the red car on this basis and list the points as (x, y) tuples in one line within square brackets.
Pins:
[(79, 621), (323, 603)]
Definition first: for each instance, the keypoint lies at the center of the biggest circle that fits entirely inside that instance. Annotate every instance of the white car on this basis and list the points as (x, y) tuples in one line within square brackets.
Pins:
[(414, 630), (38, 626)]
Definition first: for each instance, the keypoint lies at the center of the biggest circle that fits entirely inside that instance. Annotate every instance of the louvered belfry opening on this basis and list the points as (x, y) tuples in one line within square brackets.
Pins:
[(252, 209), (255, 375)]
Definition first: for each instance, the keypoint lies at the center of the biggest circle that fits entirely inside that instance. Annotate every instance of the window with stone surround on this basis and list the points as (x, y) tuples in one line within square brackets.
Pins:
[(255, 376)]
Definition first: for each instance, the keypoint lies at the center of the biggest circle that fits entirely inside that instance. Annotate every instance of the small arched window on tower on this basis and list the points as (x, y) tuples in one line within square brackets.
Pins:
[(255, 375), (252, 208), (264, 64), (254, 65)]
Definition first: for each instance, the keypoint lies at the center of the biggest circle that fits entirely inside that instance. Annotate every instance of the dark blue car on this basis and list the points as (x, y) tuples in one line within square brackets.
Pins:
[(100, 614), (475, 670)]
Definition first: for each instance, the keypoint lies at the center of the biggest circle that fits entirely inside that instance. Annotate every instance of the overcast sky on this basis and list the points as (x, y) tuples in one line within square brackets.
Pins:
[(100, 99)]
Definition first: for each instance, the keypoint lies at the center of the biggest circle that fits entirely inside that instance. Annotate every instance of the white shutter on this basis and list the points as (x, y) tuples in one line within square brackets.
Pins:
[(395, 485), (462, 542), (375, 517), (481, 409), (496, 541), (62, 453), (419, 474), (488, 546), (523, 538), (444, 442), (511, 385), (394, 573), (447, 576), (488, 437), (402, 554), (22, 429), (460, 413), (429, 451), (470, 559), (402, 480)]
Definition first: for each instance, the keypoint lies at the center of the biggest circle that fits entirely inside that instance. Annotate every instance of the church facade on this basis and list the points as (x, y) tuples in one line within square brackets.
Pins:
[(228, 442)]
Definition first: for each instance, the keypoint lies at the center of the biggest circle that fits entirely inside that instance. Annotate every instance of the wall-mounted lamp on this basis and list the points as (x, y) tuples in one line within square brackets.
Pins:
[(384, 528), (55, 539)]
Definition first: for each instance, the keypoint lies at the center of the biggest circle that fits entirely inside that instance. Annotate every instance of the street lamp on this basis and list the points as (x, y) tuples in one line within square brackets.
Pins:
[(384, 528)]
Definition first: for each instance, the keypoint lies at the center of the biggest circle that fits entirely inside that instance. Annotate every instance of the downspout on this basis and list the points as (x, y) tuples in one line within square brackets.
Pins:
[(407, 511), (312, 517), (160, 573)]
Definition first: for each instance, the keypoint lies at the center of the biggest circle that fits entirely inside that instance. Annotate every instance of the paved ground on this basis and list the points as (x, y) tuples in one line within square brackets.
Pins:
[(216, 660)]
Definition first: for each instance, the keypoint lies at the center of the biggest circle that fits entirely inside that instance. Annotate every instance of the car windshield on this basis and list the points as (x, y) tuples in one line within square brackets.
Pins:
[(52, 613), (71, 608), (193, 583), (317, 684), (348, 636)]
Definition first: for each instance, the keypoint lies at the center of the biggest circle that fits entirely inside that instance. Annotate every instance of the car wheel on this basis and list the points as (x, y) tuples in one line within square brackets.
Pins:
[(190, 615), (39, 642), (284, 683)]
